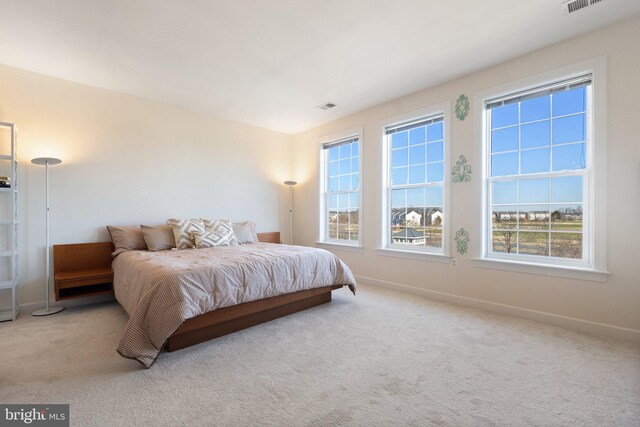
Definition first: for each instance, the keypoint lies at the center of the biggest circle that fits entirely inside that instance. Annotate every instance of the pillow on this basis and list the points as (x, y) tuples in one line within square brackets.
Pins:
[(158, 238), (126, 239), (245, 232), (183, 231), (221, 233)]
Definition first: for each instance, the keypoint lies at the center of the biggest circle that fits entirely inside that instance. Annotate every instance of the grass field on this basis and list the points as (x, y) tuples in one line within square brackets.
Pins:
[(540, 225), (557, 244)]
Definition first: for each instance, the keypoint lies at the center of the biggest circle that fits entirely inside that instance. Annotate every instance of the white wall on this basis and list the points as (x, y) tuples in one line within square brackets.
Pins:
[(128, 161), (615, 303)]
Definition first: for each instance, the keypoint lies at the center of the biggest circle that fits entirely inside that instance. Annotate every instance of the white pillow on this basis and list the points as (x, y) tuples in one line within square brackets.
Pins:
[(245, 232), (183, 230)]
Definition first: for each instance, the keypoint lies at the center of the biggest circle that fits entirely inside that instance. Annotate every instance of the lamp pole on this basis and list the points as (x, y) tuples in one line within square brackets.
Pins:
[(290, 184), (46, 161)]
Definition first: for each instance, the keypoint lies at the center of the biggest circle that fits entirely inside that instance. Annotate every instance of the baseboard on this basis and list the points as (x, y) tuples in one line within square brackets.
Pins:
[(29, 307), (581, 325)]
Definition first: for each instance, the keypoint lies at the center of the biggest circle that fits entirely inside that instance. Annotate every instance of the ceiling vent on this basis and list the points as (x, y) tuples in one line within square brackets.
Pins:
[(327, 105), (575, 5)]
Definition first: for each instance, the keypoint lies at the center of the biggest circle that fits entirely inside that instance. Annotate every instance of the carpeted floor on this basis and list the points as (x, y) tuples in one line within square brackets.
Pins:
[(380, 358)]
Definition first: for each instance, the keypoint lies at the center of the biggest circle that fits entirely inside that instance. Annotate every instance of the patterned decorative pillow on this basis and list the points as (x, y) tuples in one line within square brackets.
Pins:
[(220, 233), (183, 230)]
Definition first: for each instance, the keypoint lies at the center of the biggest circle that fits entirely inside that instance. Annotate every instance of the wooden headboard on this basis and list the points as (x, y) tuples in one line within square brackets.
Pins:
[(98, 255), (271, 237), (84, 256)]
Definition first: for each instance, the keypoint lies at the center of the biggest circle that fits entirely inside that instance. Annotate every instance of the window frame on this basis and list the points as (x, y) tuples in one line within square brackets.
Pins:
[(593, 264), (385, 246), (323, 164)]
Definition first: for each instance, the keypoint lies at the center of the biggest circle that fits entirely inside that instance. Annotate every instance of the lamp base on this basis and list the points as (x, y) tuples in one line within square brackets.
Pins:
[(47, 312)]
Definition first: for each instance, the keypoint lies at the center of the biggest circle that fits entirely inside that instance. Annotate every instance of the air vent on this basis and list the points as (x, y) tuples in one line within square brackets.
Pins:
[(326, 105), (575, 5)]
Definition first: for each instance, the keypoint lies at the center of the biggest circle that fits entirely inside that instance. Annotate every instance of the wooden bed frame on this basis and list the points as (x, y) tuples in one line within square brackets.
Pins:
[(208, 325), (226, 320)]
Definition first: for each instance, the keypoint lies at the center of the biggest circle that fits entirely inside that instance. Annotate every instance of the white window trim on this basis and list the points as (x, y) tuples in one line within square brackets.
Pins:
[(414, 254), (597, 270), (349, 247), (422, 253), (322, 220)]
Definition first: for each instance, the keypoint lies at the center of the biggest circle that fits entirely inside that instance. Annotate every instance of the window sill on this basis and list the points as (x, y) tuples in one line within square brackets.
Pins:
[(421, 256), (543, 269), (340, 246)]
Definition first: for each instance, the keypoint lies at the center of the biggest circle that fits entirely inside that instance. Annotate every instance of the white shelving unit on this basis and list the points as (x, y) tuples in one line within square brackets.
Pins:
[(8, 222)]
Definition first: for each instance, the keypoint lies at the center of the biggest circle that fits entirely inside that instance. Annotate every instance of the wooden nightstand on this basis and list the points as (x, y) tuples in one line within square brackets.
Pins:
[(82, 270)]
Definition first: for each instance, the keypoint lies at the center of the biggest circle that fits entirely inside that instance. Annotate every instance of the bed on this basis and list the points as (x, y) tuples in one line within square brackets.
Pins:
[(180, 298)]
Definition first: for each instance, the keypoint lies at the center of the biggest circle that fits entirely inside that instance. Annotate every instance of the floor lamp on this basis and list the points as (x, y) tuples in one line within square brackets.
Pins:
[(290, 184), (46, 161)]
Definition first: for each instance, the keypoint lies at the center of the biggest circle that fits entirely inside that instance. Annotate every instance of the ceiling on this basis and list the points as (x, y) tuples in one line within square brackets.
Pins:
[(269, 63)]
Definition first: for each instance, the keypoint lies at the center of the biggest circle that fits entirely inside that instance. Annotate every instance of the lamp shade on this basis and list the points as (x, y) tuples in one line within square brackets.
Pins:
[(46, 161)]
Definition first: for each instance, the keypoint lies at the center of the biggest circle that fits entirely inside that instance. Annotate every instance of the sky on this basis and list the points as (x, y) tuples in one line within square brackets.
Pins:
[(539, 135)]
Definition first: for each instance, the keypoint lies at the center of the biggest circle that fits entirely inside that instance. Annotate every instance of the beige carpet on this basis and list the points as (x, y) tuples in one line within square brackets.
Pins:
[(380, 358)]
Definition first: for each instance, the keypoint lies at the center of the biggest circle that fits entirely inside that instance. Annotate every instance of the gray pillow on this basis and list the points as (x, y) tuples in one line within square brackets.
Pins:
[(158, 238), (126, 239), (245, 232)]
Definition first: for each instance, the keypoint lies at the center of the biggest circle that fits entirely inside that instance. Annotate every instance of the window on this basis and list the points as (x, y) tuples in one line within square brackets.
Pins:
[(340, 191), (415, 185), (538, 145)]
